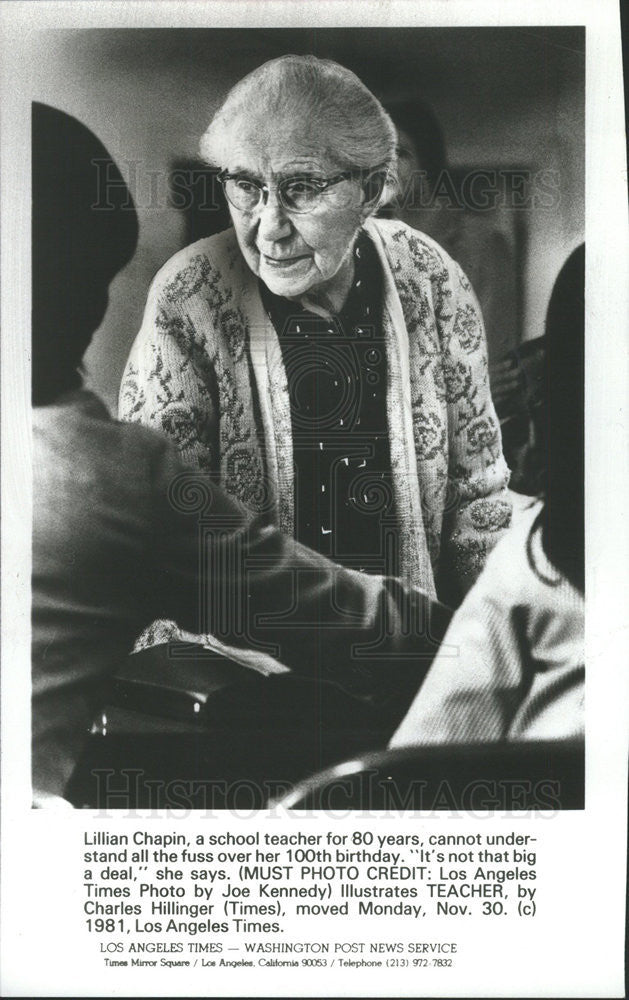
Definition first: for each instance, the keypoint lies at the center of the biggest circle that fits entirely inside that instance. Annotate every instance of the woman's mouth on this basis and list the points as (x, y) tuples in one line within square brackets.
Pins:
[(281, 263)]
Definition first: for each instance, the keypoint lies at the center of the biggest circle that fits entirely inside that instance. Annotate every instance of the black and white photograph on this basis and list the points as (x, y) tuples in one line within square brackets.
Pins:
[(367, 373), (314, 376)]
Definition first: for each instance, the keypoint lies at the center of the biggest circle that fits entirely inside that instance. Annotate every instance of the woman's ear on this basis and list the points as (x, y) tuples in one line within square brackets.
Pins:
[(373, 187)]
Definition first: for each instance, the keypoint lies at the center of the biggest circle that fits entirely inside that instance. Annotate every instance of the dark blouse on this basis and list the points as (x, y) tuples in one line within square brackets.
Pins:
[(337, 384)]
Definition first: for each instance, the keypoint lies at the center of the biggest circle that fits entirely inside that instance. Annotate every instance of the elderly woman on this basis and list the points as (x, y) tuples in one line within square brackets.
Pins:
[(329, 367)]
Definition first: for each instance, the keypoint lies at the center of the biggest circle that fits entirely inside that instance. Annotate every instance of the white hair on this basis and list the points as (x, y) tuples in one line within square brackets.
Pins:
[(358, 133)]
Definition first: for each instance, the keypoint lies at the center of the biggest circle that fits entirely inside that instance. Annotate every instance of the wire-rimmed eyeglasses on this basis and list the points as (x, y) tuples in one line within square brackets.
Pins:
[(296, 194)]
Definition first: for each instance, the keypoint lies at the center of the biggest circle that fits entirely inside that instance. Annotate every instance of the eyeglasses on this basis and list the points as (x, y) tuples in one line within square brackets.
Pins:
[(295, 194)]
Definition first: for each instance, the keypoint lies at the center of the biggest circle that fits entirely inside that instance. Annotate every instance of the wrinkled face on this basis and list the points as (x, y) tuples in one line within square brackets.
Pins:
[(294, 254)]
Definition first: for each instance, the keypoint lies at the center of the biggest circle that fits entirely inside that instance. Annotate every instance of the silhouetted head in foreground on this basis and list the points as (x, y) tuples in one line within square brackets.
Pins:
[(562, 520), (84, 231)]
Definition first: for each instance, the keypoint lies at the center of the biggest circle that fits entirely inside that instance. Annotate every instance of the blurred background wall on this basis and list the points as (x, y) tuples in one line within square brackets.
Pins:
[(508, 98)]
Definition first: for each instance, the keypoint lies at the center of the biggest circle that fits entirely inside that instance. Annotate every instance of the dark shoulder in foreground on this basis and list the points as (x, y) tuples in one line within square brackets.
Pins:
[(78, 426)]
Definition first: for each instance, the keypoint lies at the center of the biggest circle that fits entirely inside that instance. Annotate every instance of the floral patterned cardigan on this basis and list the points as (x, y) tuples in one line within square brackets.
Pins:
[(206, 369)]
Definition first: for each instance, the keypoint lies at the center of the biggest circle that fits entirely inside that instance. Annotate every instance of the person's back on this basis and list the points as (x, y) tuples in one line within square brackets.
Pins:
[(512, 663), (81, 478), (113, 550), (96, 583)]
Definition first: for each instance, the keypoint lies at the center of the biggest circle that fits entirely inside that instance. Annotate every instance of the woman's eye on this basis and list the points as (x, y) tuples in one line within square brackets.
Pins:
[(301, 188)]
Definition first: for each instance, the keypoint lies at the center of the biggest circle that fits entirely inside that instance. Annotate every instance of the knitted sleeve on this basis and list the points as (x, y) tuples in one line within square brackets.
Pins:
[(478, 508), (169, 382)]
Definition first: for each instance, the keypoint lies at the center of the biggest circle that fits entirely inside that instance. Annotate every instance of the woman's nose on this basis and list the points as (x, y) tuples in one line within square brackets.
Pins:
[(274, 222)]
